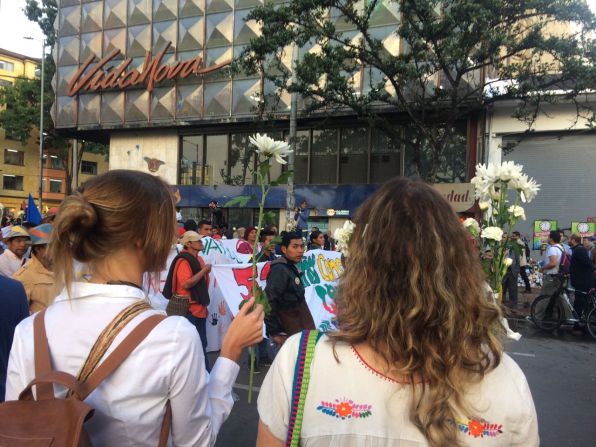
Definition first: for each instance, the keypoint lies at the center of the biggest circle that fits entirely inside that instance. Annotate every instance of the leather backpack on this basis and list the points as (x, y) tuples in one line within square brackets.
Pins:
[(43, 420)]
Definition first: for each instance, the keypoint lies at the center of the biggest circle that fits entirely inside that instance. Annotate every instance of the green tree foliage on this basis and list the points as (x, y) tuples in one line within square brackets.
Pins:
[(452, 58), (21, 101)]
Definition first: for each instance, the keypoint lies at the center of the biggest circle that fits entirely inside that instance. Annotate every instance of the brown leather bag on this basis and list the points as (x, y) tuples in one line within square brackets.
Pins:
[(45, 421)]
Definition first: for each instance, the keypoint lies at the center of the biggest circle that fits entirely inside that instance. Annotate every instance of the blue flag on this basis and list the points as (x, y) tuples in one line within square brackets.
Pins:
[(32, 214)]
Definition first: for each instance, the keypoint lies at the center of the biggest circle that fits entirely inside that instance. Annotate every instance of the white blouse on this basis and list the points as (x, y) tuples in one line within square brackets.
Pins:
[(351, 405), (130, 404)]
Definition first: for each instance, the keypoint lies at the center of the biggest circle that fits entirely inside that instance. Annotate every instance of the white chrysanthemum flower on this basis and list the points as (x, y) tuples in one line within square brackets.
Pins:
[(494, 233), (343, 235), (509, 171), (483, 205), (517, 211), (271, 148), (527, 187), (508, 262)]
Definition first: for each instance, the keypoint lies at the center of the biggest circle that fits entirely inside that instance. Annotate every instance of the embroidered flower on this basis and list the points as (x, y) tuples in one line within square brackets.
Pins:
[(479, 428), (345, 409)]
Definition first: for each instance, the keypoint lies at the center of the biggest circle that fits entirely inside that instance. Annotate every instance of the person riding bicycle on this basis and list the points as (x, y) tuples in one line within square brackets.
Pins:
[(550, 265)]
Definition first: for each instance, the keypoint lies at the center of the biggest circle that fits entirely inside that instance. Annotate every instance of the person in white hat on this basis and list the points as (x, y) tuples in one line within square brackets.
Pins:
[(12, 258)]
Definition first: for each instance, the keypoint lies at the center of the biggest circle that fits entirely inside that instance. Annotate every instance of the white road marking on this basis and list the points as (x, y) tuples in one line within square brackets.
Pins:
[(522, 354), (245, 387)]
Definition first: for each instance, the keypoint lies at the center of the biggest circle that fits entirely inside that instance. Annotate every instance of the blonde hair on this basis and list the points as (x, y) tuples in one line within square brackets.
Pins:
[(414, 291), (111, 211), (240, 232)]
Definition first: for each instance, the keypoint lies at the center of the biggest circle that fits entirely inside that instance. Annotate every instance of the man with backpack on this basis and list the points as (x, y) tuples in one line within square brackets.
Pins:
[(551, 265), (189, 277)]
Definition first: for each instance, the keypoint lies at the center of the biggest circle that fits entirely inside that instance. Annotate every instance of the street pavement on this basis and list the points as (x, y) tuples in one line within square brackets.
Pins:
[(560, 368)]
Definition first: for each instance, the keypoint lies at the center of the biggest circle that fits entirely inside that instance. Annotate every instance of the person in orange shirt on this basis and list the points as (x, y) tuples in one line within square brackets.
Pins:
[(191, 278)]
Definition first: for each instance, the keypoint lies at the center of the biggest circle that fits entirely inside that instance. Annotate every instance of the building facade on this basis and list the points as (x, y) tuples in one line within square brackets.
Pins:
[(559, 153), (19, 163), (151, 78)]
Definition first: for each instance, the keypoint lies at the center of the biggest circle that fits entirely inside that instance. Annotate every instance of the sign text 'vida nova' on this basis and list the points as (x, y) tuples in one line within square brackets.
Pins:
[(152, 73)]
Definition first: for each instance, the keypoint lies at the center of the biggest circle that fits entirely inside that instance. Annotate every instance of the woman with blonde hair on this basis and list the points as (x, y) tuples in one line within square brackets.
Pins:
[(99, 225), (416, 359)]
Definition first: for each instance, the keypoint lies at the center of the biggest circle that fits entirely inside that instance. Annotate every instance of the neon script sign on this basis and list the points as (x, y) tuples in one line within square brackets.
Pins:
[(153, 72)]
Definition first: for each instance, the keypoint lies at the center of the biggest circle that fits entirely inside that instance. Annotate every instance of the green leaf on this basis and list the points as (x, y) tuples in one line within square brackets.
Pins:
[(240, 201), (269, 217), (283, 178)]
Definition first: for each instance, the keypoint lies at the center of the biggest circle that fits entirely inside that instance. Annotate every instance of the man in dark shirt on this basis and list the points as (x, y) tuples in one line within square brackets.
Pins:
[(285, 292), (580, 272), (13, 309)]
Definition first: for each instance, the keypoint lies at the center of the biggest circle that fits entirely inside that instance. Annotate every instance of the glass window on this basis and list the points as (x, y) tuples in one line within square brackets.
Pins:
[(55, 185), (385, 158), (6, 66), (56, 162), (324, 156), (242, 161), (452, 165), (89, 167), (14, 157), (301, 157), (14, 182), (191, 162), (353, 155), (216, 168), (240, 217)]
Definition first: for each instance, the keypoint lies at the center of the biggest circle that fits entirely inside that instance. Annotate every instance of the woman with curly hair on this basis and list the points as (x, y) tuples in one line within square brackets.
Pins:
[(417, 359)]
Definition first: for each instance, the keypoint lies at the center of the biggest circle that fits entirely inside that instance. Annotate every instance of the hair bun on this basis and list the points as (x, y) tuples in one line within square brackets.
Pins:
[(77, 214)]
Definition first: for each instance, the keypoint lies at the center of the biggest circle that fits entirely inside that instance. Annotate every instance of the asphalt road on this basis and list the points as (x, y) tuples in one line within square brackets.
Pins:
[(560, 368)]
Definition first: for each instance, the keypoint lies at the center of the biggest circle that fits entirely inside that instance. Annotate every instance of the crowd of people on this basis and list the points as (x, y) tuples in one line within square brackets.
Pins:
[(405, 365)]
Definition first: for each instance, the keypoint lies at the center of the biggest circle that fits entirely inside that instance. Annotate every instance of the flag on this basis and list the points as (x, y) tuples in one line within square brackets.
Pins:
[(32, 214)]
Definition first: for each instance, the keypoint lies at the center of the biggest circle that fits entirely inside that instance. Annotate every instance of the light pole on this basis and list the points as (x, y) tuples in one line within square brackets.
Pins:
[(43, 65)]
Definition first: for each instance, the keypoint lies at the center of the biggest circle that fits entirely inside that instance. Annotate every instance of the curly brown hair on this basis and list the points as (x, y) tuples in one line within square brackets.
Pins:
[(414, 291)]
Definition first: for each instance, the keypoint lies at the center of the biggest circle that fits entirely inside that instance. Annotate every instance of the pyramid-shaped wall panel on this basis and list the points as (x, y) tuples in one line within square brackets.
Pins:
[(137, 105), (164, 10), (189, 8), (217, 98), (114, 14), (139, 12), (162, 103), (89, 109), (189, 101), (92, 17), (69, 20), (68, 50), (112, 107)]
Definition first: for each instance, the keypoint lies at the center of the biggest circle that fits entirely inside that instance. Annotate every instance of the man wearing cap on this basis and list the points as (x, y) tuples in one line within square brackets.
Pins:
[(11, 260), (36, 275), (189, 276)]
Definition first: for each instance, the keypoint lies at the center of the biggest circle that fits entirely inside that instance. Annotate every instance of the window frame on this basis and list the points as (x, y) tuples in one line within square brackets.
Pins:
[(20, 154)]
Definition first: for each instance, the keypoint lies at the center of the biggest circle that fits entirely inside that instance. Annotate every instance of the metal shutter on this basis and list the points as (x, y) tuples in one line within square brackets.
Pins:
[(565, 166)]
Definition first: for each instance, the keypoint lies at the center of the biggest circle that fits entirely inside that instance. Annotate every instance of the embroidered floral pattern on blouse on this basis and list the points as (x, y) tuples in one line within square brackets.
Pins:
[(479, 428), (345, 409)]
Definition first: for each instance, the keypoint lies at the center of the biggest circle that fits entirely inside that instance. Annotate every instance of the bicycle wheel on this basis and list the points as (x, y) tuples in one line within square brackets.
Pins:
[(540, 317), (591, 322)]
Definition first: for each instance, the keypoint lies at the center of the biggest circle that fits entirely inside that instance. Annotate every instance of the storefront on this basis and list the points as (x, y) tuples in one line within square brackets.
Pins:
[(151, 78)]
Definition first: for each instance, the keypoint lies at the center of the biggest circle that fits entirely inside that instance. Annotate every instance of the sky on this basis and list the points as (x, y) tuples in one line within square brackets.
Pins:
[(14, 26)]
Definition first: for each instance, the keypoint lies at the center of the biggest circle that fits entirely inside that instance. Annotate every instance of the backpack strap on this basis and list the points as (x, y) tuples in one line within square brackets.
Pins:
[(41, 353), (306, 350), (122, 351)]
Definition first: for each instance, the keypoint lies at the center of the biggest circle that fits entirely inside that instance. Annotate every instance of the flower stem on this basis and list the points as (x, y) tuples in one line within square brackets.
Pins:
[(264, 192)]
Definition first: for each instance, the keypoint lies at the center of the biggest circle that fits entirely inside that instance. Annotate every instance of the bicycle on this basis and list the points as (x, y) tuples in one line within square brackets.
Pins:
[(549, 312)]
